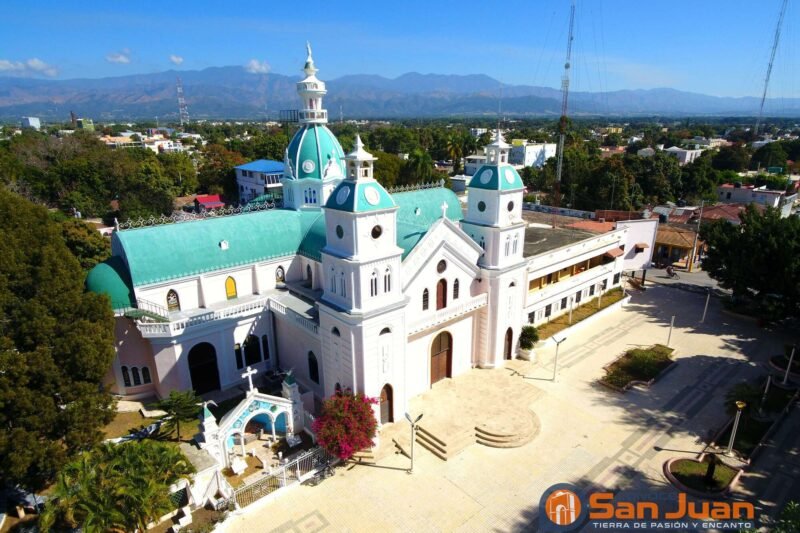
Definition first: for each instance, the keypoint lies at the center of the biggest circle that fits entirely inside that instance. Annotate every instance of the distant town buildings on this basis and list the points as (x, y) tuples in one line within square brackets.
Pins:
[(85, 124), (737, 193), (30, 123), (684, 156), (260, 178), (528, 154)]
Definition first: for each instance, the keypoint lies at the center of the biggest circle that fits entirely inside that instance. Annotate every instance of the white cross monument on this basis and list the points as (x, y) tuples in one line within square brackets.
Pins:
[(249, 376)]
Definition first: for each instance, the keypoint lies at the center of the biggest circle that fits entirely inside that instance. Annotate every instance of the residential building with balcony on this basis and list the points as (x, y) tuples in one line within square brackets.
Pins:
[(260, 178)]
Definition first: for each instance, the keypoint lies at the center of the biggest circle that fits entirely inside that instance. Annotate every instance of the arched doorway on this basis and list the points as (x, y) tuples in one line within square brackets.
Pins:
[(387, 404), (203, 368), (441, 357), (507, 345)]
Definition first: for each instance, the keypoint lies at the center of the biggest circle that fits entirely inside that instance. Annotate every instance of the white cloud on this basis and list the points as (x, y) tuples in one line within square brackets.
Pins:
[(31, 67), (122, 57), (176, 60), (254, 66)]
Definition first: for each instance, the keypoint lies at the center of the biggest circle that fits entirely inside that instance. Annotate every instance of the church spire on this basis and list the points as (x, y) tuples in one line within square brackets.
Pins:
[(311, 91), (359, 162)]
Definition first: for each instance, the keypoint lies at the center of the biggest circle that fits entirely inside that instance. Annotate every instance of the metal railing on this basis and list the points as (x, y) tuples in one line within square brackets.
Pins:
[(299, 319), (176, 327), (448, 313), (294, 471)]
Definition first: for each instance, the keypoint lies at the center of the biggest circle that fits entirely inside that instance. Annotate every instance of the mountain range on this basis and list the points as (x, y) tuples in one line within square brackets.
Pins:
[(233, 93)]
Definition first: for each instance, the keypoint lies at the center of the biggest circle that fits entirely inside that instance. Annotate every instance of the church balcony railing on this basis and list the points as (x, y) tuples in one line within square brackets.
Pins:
[(203, 316), (450, 312), (570, 285), (314, 114), (294, 316)]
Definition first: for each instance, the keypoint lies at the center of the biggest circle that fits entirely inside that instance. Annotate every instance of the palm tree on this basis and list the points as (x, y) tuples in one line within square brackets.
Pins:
[(455, 151), (180, 407), (418, 168)]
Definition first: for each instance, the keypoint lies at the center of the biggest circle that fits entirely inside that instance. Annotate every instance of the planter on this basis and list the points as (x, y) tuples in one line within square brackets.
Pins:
[(667, 471), (635, 382), (566, 332), (526, 355)]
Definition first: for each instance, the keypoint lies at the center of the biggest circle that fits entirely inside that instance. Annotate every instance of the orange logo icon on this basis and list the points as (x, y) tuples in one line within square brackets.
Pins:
[(563, 507)]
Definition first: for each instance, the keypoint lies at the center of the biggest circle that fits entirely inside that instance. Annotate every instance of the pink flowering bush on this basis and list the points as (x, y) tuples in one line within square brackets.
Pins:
[(347, 424)]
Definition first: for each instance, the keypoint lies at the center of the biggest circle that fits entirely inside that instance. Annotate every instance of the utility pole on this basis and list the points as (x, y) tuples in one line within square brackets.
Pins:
[(562, 123), (696, 235)]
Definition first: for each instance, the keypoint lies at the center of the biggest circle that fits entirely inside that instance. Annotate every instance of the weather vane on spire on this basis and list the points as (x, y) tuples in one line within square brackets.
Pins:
[(308, 49), (309, 67)]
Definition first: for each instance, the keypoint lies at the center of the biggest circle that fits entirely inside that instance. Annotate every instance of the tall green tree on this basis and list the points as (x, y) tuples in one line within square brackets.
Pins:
[(216, 174), (56, 346), (770, 155), (85, 243), (179, 170)]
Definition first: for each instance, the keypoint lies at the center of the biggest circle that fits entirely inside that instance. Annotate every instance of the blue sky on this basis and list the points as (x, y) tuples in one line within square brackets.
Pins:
[(716, 47)]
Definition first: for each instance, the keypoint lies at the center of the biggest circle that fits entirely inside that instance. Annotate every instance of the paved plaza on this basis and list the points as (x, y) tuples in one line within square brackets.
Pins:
[(588, 435)]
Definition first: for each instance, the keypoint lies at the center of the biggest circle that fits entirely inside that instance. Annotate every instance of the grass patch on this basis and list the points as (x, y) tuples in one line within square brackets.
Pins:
[(579, 313), (125, 423), (639, 364), (748, 435), (253, 466), (692, 474)]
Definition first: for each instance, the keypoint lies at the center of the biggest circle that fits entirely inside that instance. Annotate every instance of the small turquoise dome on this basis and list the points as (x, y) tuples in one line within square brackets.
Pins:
[(111, 277), (502, 177), (315, 153), (359, 197)]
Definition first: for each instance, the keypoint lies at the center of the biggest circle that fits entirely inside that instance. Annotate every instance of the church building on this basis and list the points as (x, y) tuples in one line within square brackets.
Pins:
[(348, 285)]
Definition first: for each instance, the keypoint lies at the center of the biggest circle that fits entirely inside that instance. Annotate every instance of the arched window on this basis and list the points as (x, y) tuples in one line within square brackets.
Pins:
[(136, 379), (508, 245), (342, 288), (335, 332), (337, 388), (313, 368), (441, 294), (373, 284), (387, 280), (146, 375), (252, 351), (386, 331), (173, 303), (230, 288), (309, 276), (237, 352), (314, 196), (425, 300), (280, 275), (333, 280), (126, 377), (482, 243), (265, 346), (305, 195), (455, 289), (516, 243)]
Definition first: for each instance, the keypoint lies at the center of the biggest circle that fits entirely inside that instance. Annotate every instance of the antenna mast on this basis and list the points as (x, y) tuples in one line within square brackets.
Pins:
[(562, 124), (182, 109), (771, 60)]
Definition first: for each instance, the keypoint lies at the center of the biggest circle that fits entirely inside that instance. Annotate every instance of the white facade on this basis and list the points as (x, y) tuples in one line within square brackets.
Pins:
[(684, 156), (30, 123), (532, 154), (259, 178)]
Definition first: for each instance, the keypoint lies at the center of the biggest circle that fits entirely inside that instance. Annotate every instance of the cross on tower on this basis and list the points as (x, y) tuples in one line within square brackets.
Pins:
[(249, 376), (444, 209)]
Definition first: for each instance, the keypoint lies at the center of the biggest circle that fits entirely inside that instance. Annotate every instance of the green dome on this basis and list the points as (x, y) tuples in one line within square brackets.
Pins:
[(359, 197), (496, 178), (111, 277), (314, 153)]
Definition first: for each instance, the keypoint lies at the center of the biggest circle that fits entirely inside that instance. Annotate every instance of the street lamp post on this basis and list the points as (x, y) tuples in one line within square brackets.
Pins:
[(789, 366), (705, 309), (571, 302), (413, 438), (555, 363), (739, 407), (671, 323), (764, 396)]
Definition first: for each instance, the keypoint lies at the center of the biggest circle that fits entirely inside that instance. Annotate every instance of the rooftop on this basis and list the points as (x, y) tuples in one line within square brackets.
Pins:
[(262, 165), (595, 226), (541, 240)]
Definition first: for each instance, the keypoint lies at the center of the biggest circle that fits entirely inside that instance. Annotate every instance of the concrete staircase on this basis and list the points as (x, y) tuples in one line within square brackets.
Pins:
[(445, 444), (496, 435)]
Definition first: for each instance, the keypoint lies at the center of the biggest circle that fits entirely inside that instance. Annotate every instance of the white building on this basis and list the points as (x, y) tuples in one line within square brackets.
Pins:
[(530, 154), (473, 162), (349, 285), (31, 123), (684, 156), (477, 132), (260, 178), (736, 193)]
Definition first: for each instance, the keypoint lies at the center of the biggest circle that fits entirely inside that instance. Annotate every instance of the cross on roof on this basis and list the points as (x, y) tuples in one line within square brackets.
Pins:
[(444, 209), (249, 375)]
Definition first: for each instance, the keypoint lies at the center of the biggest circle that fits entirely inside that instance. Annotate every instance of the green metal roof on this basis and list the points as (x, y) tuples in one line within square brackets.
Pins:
[(359, 197), (496, 178), (310, 150), (111, 277), (172, 251), (418, 210)]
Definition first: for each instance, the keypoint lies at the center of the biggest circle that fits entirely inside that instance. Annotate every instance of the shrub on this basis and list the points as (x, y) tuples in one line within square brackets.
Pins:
[(528, 337), (347, 424)]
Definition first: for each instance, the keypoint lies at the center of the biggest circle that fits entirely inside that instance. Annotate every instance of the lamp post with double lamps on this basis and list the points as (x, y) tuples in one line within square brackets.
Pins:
[(555, 362), (413, 437)]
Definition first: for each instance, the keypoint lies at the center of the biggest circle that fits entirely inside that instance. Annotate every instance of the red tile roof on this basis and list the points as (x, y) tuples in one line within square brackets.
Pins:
[(593, 226)]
